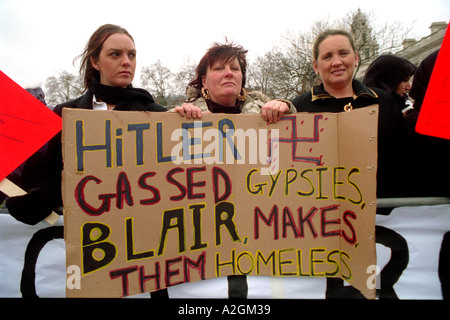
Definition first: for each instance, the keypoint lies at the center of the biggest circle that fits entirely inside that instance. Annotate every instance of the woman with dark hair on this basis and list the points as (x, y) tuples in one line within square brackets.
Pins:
[(421, 79), (219, 87), (392, 74), (108, 65), (335, 60)]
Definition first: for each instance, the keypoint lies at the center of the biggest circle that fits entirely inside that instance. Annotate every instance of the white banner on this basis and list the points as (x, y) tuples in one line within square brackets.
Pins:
[(409, 247)]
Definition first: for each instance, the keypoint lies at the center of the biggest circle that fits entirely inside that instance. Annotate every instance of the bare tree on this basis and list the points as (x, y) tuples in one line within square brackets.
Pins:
[(371, 39), (260, 73), (286, 71), (184, 76), (158, 79), (63, 87), (168, 88)]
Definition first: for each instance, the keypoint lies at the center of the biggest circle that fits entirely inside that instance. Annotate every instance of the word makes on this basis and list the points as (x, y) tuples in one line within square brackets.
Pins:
[(284, 220)]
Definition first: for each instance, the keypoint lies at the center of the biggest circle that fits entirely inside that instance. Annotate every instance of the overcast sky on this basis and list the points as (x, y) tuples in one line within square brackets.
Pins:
[(40, 38)]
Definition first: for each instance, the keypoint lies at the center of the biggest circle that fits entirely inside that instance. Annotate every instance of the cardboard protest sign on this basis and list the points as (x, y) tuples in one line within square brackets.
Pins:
[(152, 200), (411, 253), (25, 125), (434, 117)]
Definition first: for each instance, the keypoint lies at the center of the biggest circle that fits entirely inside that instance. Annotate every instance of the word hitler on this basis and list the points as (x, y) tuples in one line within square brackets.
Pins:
[(262, 144)]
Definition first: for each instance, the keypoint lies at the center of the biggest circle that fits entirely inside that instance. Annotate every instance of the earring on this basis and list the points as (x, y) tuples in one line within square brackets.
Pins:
[(205, 94), (243, 95)]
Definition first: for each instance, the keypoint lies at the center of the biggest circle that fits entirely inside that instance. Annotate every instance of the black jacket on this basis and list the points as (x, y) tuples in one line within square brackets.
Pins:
[(85, 102), (45, 195), (55, 148), (391, 129)]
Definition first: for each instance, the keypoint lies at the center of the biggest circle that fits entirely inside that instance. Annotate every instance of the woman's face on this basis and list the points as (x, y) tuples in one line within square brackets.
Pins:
[(117, 61), (336, 61), (404, 87), (224, 82)]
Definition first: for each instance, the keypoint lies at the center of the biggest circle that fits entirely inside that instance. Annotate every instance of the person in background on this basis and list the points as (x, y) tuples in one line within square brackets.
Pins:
[(39, 94), (219, 87), (28, 172), (429, 155), (108, 64), (392, 74), (334, 61), (431, 162), (420, 83)]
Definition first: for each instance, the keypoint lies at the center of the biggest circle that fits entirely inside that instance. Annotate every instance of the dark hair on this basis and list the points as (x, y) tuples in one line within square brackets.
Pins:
[(93, 48), (388, 71), (219, 52), (331, 32)]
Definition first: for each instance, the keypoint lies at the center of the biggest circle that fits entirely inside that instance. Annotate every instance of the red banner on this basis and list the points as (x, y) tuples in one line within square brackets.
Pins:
[(26, 125), (434, 118)]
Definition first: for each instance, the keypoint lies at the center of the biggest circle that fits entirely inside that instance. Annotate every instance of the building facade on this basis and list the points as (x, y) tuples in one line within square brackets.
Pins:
[(413, 50)]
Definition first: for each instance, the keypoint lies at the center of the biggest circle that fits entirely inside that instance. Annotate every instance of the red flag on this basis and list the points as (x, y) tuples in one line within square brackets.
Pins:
[(434, 117), (26, 124)]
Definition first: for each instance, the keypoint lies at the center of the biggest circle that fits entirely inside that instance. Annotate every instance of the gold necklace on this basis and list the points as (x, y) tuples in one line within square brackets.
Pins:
[(348, 107)]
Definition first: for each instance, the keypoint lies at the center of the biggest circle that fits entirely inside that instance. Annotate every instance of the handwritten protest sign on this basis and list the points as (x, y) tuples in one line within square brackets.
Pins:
[(434, 117), (153, 200)]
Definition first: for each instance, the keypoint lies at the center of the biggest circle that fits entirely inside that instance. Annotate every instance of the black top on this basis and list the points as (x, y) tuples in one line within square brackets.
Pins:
[(44, 194), (391, 129), (218, 108)]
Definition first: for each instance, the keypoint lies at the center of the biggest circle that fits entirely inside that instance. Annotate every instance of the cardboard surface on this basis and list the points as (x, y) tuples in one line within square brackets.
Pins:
[(149, 204)]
